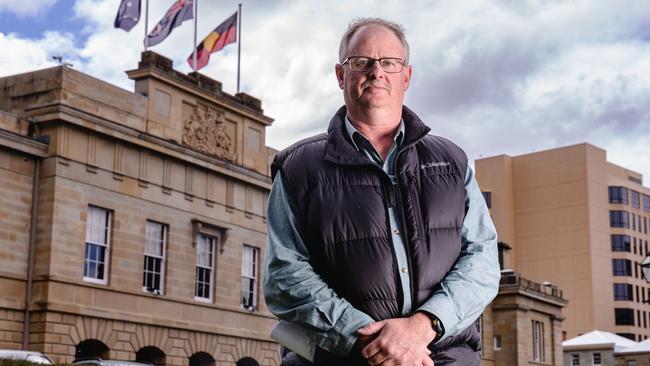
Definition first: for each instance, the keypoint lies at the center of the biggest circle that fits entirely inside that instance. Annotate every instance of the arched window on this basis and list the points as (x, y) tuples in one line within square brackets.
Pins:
[(152, 355), (247, 361), (202, 359), (91, 348)]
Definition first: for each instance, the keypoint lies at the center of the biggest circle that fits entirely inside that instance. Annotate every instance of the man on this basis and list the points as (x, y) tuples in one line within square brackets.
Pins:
[(380, 247)]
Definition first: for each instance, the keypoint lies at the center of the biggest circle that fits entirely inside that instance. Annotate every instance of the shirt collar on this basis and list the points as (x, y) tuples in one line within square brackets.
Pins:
[(399, 135)]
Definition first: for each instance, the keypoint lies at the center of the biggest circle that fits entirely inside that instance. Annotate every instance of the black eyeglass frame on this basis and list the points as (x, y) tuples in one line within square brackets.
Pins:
[(370, 64)]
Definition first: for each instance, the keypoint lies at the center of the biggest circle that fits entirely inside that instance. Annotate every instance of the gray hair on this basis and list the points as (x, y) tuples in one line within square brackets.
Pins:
[(357, 23)]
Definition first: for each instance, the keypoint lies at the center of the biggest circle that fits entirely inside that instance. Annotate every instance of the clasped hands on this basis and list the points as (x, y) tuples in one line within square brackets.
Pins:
[(399, 341)]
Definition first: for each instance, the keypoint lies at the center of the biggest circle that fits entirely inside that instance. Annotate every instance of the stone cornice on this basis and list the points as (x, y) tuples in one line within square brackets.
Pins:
[(160, 68), (23, 144), (59, 112)]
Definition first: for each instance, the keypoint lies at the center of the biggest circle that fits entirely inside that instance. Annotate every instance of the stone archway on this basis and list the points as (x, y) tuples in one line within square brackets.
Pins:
[(152, 355), (202, 359), (247, 361), (91, 348)]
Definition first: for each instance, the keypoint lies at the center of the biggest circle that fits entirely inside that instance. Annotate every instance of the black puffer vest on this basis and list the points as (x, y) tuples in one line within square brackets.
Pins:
[(341, 202)]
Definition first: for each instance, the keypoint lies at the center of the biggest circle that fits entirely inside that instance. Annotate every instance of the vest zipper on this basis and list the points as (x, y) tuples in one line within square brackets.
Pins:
[(386, 185), (404, 229)]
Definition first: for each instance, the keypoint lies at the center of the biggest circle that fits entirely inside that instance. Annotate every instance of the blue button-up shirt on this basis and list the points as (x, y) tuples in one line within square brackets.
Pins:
[(296, 293)]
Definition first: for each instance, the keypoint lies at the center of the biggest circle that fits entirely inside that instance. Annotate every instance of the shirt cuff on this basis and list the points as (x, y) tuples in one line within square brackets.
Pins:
[(442, 308), (346, 331)]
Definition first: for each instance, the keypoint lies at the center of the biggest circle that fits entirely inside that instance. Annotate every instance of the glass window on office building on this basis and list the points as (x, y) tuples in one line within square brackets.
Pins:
[(635, 199), (620, 243), (538, 341), (621, 267), (617, 195), (250, 259), (204, 267), (624, 316), (619, 219), (623, 291), (646, 202), (98, 233), (154, 257)]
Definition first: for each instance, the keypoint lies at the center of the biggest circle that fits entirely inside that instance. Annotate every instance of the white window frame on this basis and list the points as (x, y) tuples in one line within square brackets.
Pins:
[(213, 239), (575, 359), (497, 342), (593, 359), (249, 274), (107, 218), (163, 243), (538, 341)]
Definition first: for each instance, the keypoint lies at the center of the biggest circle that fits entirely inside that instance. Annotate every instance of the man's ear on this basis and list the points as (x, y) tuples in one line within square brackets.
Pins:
[(338, 69), (407, 76)]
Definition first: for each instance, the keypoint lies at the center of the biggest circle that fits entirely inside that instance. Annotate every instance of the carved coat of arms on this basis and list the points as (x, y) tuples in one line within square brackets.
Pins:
[(205, 130)]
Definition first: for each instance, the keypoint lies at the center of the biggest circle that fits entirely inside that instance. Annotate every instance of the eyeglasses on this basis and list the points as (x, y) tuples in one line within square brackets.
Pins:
[(363, 63)]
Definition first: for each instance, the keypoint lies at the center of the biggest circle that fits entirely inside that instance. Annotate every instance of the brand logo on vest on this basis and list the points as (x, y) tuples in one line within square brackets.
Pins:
[(432, 164)]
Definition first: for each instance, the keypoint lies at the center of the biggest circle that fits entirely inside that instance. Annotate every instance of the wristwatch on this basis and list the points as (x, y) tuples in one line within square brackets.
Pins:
[(437, 326)]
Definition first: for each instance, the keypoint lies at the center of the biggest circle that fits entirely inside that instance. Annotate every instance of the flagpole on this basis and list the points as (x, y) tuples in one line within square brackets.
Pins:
[(196, 20), (146, 23), (238, 45)]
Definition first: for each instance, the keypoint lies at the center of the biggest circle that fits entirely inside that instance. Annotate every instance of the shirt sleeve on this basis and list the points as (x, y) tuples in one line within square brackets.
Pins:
[(295, 292), (473, 282)]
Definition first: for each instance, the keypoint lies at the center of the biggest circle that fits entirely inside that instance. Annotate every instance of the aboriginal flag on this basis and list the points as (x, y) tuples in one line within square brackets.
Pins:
[(224, 34), (179, 12)]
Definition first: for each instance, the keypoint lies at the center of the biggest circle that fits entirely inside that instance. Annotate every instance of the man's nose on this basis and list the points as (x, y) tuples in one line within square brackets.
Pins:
[(375, 71)]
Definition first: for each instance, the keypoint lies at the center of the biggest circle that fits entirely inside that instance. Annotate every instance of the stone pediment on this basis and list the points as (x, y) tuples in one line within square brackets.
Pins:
[(206, 130)]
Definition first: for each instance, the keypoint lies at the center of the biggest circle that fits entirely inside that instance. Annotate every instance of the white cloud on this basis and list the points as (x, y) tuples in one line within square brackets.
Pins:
[(28, 55), (26, 8)]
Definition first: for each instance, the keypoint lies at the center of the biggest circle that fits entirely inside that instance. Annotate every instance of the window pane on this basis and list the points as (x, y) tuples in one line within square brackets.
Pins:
[(621, 267), (249, 276), (646, 202), (622, 291), (624, 316), (617, 195), (620, 243), (635, 199), (155, 237), (619, 219)]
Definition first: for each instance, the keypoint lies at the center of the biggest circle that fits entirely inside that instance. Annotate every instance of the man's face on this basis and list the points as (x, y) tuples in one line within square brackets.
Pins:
[(374, 88)]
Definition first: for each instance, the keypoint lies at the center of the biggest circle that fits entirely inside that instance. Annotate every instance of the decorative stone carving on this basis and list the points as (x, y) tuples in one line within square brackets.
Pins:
[(205, 130)]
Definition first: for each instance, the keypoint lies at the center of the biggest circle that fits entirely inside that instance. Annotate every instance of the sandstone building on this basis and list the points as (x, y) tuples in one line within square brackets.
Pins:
[(581, 223), (132, 225)]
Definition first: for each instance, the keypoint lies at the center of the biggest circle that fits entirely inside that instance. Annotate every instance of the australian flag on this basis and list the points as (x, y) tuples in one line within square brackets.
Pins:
[(128, 14), (175, 16)]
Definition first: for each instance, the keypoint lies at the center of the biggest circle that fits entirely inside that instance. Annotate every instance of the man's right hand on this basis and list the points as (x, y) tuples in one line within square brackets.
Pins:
[(364, 340)]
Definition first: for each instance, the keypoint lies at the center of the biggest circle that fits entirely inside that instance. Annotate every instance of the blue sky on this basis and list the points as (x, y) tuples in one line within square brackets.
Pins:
[(495, 76), (60, 17)]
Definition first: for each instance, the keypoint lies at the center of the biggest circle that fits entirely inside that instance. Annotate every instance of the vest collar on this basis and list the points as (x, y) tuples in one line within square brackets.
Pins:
[(340, 149)]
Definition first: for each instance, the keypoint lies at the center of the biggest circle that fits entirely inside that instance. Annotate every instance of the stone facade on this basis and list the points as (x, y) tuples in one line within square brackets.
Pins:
[(587, 357), (507, 326), (179, 153)]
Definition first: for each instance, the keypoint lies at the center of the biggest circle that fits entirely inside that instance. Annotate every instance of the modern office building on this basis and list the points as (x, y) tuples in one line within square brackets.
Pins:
[(574, 220), (132, 224)]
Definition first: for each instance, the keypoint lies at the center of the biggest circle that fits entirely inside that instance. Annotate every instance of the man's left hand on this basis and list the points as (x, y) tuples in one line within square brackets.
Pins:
[(399, 341)]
